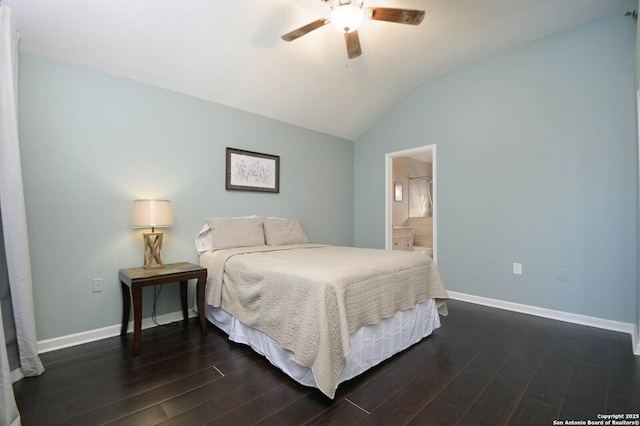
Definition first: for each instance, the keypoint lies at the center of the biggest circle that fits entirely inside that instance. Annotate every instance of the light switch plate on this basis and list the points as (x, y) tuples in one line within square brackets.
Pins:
[(517, 268)]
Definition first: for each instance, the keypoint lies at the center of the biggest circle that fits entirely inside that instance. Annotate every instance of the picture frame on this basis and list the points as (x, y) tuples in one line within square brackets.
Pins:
[(252, 171)]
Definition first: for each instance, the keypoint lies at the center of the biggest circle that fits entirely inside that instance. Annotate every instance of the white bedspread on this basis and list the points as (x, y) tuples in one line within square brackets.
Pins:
[(310, 298)]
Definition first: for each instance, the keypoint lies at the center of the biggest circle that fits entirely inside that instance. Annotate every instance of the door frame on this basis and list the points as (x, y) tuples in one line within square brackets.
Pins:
[(388, 194)]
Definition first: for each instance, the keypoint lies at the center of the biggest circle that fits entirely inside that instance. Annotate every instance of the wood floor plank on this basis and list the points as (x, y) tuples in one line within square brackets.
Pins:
[(136, 385), (283, 396), (44, 416), (500, 399), (298, 412), (149, 416), (463, 353), (218, 408), (491, 360), (92, 393), (533, 411), (623, 369), (532, 349), (247, 414), (465, 389), (37, 393), (573, 410), (437, 413), (617, 403), (410, 399), (400, 372), (340, 413), (588, 386), (137, 402), (216, 399), (552, 377)]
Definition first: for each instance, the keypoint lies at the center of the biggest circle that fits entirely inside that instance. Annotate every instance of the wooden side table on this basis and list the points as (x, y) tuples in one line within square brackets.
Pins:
[(137, 278)]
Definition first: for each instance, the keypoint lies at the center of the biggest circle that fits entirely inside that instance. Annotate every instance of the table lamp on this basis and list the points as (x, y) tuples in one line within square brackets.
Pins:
[(152, 214)]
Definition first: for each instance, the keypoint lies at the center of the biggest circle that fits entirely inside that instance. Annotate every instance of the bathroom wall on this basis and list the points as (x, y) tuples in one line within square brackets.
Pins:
[(422, 230)]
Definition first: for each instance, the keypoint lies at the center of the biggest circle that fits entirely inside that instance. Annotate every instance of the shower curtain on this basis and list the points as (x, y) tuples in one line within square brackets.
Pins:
[(420, 202), (17, 294)]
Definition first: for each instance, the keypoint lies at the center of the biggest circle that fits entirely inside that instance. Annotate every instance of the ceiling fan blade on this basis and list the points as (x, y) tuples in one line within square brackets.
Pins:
[(353, 44), (401, 16), (290, 36)]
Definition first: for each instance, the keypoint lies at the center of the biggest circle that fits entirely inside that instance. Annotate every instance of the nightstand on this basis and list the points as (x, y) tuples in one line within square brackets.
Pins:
[(135, 279)]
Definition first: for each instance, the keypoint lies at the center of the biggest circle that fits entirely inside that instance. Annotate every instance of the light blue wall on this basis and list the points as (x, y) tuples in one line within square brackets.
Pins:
[(537, 163), (92, 143)]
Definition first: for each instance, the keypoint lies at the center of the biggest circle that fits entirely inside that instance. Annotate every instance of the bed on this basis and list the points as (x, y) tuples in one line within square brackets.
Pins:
[(322, 314)]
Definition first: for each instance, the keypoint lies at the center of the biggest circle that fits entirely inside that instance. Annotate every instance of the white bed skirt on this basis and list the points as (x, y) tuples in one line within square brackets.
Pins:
[(370, 345)]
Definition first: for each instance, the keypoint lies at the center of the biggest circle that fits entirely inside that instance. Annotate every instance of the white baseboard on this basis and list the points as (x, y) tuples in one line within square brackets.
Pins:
[(105, 332), (606, 324)]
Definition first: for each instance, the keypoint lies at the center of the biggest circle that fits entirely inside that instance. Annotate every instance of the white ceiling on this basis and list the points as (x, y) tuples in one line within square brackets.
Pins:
[(230, 51)]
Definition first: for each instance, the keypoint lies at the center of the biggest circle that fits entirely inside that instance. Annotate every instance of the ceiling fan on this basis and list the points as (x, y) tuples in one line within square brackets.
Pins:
[(346, 15)]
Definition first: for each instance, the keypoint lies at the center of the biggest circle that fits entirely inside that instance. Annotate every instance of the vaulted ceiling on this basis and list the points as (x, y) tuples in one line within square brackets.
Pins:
[(230, 51)]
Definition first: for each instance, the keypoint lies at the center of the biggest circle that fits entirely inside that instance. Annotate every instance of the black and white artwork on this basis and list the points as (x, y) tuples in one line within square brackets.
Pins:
[(252, 171)]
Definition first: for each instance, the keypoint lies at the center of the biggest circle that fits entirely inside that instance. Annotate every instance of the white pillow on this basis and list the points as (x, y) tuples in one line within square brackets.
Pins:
[(203, 240), (219, 233), (236, 232), (279, 232)]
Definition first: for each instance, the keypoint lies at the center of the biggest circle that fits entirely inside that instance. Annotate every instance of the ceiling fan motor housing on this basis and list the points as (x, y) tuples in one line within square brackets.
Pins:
[(346, 18)]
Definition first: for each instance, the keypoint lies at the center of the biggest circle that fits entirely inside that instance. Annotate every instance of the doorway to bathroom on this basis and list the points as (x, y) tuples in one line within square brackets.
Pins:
[(411, 200)]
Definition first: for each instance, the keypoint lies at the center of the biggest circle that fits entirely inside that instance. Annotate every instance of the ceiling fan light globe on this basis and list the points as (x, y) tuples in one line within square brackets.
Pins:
[(346, 18)]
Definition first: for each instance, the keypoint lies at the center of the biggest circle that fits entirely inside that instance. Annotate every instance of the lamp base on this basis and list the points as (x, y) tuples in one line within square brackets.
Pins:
[(153, 250)]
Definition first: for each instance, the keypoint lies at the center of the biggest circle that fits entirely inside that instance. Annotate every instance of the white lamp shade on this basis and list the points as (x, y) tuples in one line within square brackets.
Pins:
[(346, 18), (151, 213)]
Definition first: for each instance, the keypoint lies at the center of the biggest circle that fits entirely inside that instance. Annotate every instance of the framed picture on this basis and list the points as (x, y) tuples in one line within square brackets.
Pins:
[(252, 171)]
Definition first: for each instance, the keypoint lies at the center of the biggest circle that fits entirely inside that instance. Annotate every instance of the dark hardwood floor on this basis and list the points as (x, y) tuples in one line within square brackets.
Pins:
[(483, 366)]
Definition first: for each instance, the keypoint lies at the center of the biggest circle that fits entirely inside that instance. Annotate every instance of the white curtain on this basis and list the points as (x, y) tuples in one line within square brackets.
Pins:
[(14, 223), (419, 197)]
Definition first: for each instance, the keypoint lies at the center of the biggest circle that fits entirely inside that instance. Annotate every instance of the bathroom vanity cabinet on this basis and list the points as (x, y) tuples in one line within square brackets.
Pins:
[(402, 238)]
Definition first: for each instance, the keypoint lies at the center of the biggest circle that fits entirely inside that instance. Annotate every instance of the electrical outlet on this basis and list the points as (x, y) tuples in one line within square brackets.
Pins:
[(517, 268), (562, 274), (97, 285)]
